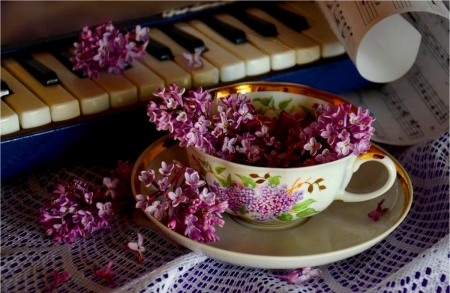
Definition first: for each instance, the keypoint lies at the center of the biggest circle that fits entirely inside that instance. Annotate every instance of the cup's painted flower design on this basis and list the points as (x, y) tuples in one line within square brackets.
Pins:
[(258, 197)]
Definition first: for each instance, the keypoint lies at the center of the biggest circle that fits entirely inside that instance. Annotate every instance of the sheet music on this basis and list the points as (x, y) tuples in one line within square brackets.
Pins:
[(414, 107)]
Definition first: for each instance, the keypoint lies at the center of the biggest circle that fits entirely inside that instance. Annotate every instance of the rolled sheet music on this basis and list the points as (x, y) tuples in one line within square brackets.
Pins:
[(381, 43), (404, 44)]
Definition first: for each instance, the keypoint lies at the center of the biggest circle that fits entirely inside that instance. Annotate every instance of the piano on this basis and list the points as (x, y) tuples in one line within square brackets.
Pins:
[(99, 120)]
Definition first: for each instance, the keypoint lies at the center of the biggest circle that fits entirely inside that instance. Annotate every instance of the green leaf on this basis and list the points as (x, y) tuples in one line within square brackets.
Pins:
[(285, 217), (222, 181), (229, 181), (242, 209), (307, 212), (264, 101), (274, 180), (303, 205), (220, 169), (248, 182), (283, 104)]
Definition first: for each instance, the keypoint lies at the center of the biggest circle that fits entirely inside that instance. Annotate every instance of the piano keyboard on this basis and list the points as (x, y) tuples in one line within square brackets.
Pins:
[(272, 46)]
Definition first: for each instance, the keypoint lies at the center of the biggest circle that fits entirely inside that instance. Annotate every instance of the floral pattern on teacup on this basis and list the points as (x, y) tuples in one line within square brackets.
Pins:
[(261, 197)]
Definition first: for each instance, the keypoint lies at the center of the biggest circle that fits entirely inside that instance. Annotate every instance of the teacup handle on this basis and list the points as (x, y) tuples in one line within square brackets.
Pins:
[(364, 158)]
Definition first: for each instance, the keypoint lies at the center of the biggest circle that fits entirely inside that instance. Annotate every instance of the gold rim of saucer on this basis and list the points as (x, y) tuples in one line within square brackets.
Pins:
[(261, 257)]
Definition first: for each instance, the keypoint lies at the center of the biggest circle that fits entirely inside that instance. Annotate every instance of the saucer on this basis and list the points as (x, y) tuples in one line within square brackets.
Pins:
[(341, 231)]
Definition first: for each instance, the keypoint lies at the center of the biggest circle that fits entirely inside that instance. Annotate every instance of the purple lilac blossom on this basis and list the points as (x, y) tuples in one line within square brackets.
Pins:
[(237, 132), (108, 48), (181, 205), (76, 211)]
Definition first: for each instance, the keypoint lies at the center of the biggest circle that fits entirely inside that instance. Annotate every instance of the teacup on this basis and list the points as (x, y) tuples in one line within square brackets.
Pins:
[(279, 198)]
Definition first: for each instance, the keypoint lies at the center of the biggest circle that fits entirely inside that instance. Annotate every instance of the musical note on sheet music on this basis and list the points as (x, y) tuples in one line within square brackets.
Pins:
[(430, 97), (429, 39), (344, 27), (401, 113), (401, 4), (368, 10)]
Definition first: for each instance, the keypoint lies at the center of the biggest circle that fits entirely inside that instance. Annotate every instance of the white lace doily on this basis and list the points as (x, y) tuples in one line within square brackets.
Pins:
[(414, 258)]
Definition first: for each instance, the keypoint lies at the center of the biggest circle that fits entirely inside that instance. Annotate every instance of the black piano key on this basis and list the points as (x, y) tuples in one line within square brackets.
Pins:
[(259, 25), (187, 41), (64, 56), (287, 17), (158, 50), (5, 90), (38, 70), (231, 33)]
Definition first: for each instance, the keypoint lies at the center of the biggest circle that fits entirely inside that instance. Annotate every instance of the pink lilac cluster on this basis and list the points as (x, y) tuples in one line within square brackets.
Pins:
[(108, 47), (235, 131), (264, 202), (301, 275), (181, 202), (77, 209)]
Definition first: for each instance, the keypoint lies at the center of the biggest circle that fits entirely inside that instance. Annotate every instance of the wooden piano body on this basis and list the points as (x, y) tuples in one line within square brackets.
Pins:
[(120, 133)]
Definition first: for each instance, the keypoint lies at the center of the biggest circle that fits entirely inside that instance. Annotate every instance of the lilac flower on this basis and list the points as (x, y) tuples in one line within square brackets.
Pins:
[(156, 209), (79, 209), (183, 208), (376, 214), (202, 124), (104, 209), (142, 201), (147, 177), (193, 179), (165, 169), (326, 156), (141, 33), (88, 220), (300, 276), (138, 247), (312, 146), (177, 197), (163, 184), (238, 133), (106, 273), (111, 186), (108, 48), (228, 144), (243, 114), (194, 60), (59, 279)]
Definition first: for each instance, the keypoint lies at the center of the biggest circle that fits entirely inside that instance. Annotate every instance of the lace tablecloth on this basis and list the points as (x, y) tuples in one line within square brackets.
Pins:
[(413, 258)]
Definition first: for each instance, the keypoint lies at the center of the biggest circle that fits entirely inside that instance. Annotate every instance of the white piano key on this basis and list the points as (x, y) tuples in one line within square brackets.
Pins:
[(318, 30), (204, 77), (169, 71), (256, 62), (9, 120), (62, 104), (146, 81), (306, 49), (281, 56), (121, 91), (91, 97), (231, 68), (31, 110)]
